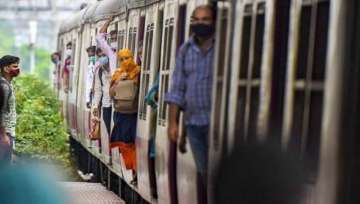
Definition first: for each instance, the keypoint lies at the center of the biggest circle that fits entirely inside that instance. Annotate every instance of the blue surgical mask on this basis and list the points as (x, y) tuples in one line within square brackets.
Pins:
[(103, 60), (92, 59)]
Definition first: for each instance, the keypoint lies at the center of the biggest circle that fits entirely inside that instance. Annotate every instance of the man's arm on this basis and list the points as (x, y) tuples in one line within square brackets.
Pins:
[(176, 97), (101, 41)]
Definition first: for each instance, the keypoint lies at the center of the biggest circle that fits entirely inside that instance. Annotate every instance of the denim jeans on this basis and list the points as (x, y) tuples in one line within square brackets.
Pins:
[(198, 139), (6, 152)]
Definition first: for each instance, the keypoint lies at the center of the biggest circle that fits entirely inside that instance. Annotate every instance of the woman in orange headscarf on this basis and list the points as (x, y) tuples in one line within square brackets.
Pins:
[(124, 131)]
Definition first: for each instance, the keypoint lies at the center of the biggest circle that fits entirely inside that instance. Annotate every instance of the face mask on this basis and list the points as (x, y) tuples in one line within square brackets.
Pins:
[(202, 30), (128, 63), (113, 45), (103, 60), (14, 72), (68, 53), (54, 60), (92, 59)]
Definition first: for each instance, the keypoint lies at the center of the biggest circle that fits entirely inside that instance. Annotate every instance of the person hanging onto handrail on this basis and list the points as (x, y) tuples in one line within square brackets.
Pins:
[(191, 89), (124, 93)]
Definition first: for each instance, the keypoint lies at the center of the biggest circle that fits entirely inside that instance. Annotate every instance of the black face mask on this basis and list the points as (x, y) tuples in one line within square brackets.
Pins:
[(202, 30)]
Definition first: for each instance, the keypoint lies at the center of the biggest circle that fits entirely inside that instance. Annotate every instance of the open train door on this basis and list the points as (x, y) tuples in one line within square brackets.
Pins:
[(166, 152), (186, 174), (146, 129)]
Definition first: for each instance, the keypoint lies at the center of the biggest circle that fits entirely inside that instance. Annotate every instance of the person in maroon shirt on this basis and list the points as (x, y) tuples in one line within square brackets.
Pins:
[(66, 69)]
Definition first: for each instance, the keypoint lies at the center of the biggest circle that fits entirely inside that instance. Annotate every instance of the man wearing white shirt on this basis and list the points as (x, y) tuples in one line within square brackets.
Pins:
[(89, 92)]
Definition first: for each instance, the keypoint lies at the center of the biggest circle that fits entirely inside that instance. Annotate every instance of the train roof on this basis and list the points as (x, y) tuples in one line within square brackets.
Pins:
[(131, 4), (100, 10), (109, 8), (90, 12), (74, 21)]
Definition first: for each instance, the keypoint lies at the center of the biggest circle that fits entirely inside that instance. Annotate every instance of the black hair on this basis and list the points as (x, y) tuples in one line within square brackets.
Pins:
[(91, 49), (8, 60), (113, 32), (98, 50), (69, 44)]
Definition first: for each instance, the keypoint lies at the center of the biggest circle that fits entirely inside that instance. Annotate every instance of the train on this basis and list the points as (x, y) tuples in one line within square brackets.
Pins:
[(285, 71)]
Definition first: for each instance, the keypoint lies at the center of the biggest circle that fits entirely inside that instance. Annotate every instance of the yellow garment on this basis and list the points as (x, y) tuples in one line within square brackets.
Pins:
[(127, 67)]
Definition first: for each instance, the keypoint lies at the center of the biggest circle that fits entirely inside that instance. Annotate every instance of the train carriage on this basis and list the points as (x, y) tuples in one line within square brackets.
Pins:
[(278, 78)]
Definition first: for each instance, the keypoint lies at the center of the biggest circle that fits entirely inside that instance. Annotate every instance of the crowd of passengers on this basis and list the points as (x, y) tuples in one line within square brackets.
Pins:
[(112, 90)]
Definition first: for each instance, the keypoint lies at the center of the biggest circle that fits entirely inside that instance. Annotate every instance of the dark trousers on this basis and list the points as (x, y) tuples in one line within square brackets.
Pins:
[(107, 118), (6, 152)]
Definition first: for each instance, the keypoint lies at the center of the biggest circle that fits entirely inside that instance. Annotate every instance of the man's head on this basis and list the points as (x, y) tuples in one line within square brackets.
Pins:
[(99, 52), (91, 51), (203, 21), (113, 36), (113, 40), (68, 51), (68, 45), (9, 66), (55, 57)]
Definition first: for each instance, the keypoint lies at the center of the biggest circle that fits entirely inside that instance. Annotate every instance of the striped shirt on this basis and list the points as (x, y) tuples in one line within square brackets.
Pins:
[(192, 83), (8, 111)]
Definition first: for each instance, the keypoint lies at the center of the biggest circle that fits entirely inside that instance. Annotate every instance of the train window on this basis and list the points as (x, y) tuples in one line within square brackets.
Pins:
[(240, 116), (72, 66), (220, 67), (250, 74), (133, 40), (130, 36), (314, 129), (146, 69), (253, 114), (303, 50), (145, 85), (166, 88), (305, 129), (322, 23), (169, 43), (245, 46), (140, 40), (162, 93), (150, 48), (181, 25), (165, 72), (298, 116), (223, 36), (259, 35)]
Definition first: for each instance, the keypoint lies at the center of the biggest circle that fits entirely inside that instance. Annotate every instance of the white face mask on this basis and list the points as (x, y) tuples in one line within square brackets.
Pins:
[(113, 45), (68, 53)]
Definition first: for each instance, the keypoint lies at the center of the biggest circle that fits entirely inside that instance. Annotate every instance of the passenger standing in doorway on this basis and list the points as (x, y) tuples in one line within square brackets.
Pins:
[(113, 40), (102, 100), (55, 58), (191, 90), (10, 69), (66, 69), (89, 91), (124, 131)]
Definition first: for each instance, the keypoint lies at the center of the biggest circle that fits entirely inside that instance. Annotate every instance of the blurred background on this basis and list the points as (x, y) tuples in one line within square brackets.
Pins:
[(28, 29)]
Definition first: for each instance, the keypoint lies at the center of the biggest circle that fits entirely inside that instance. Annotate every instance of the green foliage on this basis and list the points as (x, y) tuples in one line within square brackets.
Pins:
[(40, 130)]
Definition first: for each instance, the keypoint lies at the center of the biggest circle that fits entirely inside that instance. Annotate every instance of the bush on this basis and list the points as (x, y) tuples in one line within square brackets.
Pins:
[(40, 130)]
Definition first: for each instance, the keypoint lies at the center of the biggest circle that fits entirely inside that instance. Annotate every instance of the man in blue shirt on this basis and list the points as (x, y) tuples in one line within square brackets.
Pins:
[(191, 87)]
